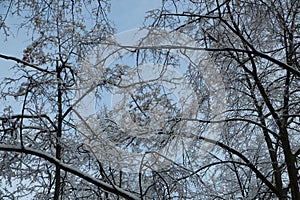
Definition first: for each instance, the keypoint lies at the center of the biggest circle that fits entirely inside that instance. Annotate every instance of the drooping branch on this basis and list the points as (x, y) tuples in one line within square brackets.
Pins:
[(252, 52), (210, 165), (231, 120), (246, 160), (24, 63), (114, 189), (30, 117)]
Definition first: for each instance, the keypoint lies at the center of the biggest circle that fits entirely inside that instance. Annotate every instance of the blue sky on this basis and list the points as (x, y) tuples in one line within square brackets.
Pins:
[(129, 14), (125, 14)]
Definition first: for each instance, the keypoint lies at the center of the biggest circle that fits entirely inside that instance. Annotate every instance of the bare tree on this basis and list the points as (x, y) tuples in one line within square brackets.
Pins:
[(255, 45), (41, 153)]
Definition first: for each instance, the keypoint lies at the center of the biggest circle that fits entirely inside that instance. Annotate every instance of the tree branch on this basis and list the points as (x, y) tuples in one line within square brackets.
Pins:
[(24, 63), (105, 186), (246, 160), (256, 53)]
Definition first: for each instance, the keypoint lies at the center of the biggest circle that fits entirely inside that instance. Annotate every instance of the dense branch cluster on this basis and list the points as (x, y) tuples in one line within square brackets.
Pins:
[(255, 46)]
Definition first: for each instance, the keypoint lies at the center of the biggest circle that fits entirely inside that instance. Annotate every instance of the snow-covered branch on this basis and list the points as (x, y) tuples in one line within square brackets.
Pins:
[(105, 186)]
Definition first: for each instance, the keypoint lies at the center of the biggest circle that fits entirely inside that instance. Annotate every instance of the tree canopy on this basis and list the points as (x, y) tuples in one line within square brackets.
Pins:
[(215, 115)]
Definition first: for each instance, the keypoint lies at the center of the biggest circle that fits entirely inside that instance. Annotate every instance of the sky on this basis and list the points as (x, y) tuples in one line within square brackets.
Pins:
[(129, 14)]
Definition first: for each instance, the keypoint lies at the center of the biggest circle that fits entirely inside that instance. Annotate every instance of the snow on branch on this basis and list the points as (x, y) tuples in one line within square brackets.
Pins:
[(105, 186)]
